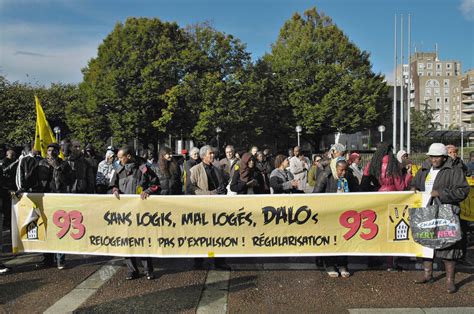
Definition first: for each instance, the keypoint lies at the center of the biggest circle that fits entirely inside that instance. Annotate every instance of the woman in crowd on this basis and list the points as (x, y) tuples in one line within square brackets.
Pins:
[(262, 173), (354, 164), (168, 173), (383, 172), (243, 181), (281, 180), (314, 172), (439, 177), (105, 171)]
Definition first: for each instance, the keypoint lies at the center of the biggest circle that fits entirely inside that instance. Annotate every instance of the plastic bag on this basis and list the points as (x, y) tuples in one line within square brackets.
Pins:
[(435, 226)]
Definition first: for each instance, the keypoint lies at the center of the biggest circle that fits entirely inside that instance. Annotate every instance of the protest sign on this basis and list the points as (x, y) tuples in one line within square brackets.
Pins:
[(197, 226)]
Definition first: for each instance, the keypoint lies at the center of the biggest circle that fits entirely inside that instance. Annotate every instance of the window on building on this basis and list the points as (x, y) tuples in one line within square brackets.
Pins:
[(446, 83), (429, 66), (448, 73), (446, 100), (428, 92), (446, 91), (421, 66), (420, 74), (438, 66), (448, 66), (436, 92), (438, 73), (429, 73)]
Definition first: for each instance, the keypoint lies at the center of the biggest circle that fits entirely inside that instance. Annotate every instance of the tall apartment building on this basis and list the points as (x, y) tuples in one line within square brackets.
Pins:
[(466, 97), (436, 85)]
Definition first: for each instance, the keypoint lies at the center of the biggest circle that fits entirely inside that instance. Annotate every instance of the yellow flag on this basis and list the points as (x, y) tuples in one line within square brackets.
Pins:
[(43, 135)]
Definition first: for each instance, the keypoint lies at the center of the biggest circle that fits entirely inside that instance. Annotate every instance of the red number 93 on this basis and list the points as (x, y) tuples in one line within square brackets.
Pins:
[(66, 221), (353, 220)]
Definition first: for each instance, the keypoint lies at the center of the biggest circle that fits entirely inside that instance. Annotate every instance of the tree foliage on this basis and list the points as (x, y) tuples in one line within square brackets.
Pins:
[(18, 116), (151, 79), (421, 123), (327, 82)]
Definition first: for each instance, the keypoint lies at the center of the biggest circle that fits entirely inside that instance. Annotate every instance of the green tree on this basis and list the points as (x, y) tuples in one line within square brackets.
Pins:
[(327, 82), (17, 105), (121, 94), (422, 123), (215, 90)]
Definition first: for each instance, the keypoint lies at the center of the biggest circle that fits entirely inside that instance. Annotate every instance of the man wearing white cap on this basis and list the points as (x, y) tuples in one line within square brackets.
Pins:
[(439, 178)]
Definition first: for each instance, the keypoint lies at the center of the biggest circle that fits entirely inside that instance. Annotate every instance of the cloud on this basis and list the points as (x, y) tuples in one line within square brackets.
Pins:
[(32, 54), (46, 53), (467, 9)]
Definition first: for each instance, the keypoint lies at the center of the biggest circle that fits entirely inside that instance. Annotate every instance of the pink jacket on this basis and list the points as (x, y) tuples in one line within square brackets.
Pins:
[(390, 183)]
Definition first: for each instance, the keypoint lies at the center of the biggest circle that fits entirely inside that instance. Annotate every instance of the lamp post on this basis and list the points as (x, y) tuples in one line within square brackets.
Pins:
[(218, 130), (135, 140), (57, 131), (298, 130), (462, 142), (381, 129)]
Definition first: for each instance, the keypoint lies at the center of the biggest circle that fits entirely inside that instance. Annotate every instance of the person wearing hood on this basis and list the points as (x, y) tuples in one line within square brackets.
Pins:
[(91, 158), (440, 178), (243, 180), (105, 171)]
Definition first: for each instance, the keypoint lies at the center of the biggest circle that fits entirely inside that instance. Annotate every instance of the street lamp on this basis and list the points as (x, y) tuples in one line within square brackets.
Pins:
[(218, 130), (462, 142), (57, 131), (298, 130), (381, 129)]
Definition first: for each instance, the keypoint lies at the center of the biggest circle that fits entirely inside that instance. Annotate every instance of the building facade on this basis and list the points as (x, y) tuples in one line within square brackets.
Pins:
[(435, 84), (466, 97)]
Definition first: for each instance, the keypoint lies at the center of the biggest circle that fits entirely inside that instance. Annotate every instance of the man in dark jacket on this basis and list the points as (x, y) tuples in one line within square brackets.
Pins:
[(342, 181), (133, 178), (457, 161), (440, 178), (53, 175), (91, 157), (83, 178), (8, 166), (27, 172)]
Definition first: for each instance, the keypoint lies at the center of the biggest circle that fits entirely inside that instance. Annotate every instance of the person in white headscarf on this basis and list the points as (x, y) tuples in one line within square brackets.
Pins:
[(105, 171)]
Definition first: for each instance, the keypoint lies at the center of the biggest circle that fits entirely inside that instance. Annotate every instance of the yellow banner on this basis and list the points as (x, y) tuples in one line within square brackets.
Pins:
[(467, 206), (198, 226)]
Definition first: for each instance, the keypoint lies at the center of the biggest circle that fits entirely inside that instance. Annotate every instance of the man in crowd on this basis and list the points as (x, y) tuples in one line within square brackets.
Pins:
[(54, 176), (83, 176), (299, 166), (457, 161), (470, 164), (228, 163), (91, 157), (8, 166), (134, 178), (206, 179), (27, 171)]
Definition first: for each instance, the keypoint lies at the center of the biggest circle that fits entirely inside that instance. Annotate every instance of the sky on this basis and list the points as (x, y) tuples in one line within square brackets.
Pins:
[(50, 41)]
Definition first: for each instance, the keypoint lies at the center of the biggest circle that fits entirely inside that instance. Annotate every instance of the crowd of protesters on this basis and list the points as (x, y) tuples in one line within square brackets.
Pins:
[(200, 172)]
